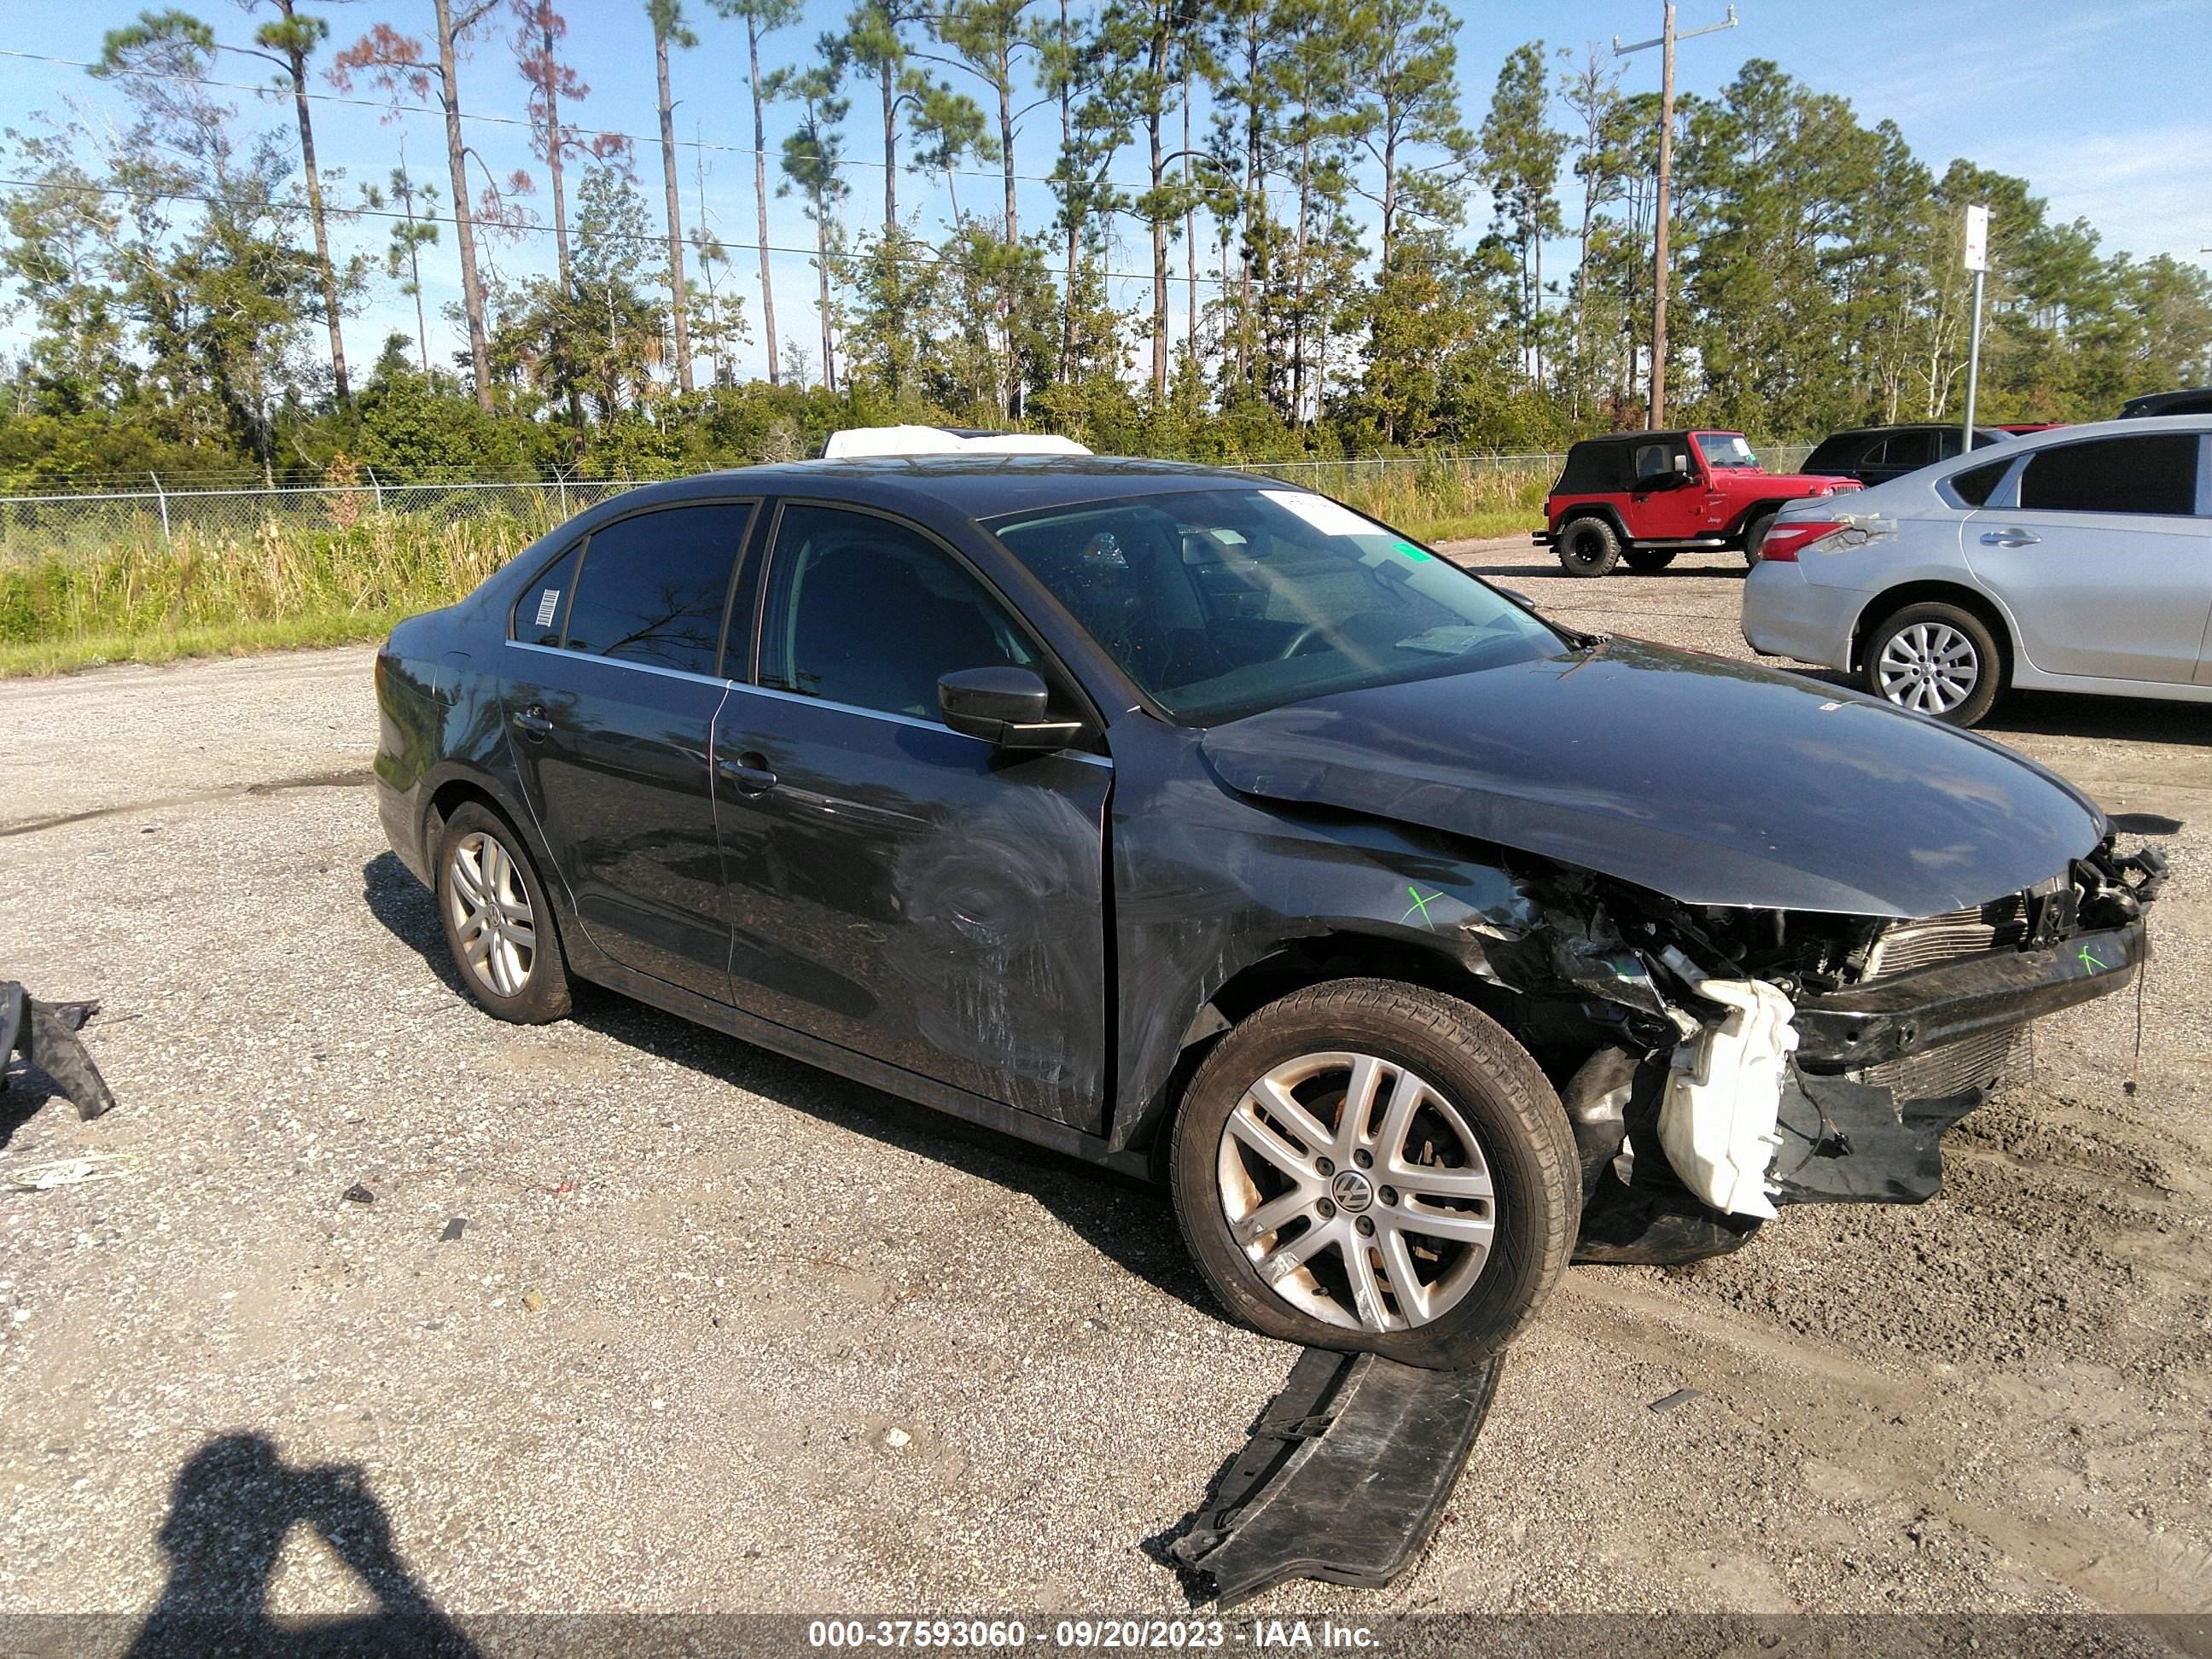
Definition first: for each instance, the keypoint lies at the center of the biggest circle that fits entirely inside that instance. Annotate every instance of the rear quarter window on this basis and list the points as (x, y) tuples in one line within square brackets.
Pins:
[(1977, 483), (539, 614)]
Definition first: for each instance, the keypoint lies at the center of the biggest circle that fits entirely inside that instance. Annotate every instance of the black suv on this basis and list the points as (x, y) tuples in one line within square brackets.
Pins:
[(1198, 826), (1875, 454), (2196, 400)]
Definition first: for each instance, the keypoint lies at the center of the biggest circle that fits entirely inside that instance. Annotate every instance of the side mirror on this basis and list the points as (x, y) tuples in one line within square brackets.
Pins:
[(1005, 706)]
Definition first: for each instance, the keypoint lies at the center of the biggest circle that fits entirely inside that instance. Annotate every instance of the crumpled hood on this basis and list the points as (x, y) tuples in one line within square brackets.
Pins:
[(1711, 781)]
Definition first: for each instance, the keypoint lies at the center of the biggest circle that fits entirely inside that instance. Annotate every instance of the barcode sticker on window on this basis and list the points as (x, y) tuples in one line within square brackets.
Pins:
[(548, 603)]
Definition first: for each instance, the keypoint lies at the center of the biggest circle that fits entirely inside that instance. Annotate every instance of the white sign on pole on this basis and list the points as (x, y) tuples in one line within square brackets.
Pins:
[(1978, 238)]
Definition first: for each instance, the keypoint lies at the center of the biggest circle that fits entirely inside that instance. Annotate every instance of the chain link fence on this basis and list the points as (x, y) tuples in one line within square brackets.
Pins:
[(88, 523)]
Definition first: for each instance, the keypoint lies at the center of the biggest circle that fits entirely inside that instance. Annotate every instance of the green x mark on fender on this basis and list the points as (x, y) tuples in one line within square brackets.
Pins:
[(1420, 907), (2083, 957)]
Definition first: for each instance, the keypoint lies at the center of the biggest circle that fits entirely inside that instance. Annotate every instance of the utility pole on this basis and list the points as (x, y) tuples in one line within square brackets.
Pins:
[(1656, 415), (1978, 261)]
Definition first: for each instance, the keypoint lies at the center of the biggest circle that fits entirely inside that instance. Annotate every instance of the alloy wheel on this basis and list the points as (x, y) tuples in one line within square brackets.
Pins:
[(491, 914), (1930, 667), (1358, 1192)]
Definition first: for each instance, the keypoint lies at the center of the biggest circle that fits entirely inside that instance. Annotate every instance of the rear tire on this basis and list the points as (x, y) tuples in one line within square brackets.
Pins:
[(1936, 659), (1648, 560), (1461, 1133), (1588, 547), (1754, 535), (498, 924)]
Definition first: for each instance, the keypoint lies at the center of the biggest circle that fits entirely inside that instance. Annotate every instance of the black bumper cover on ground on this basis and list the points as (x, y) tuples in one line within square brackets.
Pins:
[(1345, 1477)]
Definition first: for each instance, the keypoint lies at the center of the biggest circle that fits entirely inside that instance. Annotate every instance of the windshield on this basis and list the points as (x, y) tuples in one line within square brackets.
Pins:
[(1727, 449), (1221, 603)]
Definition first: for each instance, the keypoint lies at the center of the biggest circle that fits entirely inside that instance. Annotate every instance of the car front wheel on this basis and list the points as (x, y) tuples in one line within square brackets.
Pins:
[(498, 924), (1370, 1165), (1934, 659)]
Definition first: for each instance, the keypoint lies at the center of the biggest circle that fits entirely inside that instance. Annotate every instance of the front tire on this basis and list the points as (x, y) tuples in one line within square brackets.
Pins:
[(1370, 1165), (498, 924), (1934, 659), (1754, 535), (1588, 547)]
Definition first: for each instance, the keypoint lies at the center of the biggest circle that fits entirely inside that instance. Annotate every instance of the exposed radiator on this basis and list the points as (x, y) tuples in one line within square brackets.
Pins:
[(1999, 925), (1975, 1062)]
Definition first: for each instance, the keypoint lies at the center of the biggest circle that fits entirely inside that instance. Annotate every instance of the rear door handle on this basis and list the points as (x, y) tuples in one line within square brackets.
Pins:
[(2009, 538), (533, 723), (750, 779)]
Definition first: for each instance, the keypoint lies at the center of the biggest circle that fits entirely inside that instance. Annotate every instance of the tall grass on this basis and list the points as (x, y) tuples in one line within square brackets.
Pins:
[(146, 599), (139, 597)]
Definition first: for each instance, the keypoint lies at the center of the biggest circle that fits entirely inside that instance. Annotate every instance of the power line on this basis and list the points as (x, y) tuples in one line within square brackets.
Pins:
[(390, 106), (514, 225)]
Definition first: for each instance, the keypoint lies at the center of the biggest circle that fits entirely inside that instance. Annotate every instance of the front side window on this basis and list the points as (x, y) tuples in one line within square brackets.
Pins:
[(2151, 474), (864, 611), (1727, 449), (1656, 460), (653, 586), (1219, 603)]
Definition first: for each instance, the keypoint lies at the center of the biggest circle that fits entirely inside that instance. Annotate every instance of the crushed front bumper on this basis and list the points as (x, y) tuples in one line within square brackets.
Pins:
[(1868, 1025)]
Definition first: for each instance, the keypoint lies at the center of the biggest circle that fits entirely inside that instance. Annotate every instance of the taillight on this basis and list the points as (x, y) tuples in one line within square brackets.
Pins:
[(1785, 541)]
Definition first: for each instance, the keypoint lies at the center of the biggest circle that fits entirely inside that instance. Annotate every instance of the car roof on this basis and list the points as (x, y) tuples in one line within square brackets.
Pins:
[(973, 486)]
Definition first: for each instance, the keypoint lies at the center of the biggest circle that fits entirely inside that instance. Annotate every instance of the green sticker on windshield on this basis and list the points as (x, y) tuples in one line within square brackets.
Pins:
[(1412, 551)]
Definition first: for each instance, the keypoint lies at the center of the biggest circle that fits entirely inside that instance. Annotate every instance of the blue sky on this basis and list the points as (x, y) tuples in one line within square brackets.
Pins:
[(2098, 104)]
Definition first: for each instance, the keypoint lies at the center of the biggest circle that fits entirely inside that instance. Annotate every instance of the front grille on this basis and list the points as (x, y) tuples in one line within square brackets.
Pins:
[(1985, 1061), (2000, 925)]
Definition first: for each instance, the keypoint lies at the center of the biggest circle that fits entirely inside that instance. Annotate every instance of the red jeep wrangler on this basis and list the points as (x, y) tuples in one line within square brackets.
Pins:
[(1645, 497)]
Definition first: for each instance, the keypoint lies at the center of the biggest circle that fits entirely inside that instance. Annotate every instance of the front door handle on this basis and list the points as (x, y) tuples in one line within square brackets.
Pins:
[(749, 772), (532, 722), (2015, 538)]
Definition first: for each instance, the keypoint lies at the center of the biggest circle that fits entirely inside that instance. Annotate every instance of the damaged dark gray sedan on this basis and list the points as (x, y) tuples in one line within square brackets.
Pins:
[(1198, 826)]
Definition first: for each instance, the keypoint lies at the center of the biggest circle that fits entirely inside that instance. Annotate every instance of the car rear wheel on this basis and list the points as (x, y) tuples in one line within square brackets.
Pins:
[(1588, 547), (498, 924), (1934, 659), (1370, 1165), (1646, 560), (1754, 535)]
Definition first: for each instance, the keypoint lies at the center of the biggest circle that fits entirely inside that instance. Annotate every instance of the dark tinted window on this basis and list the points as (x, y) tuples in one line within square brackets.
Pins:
[(2150, 474), (1909, 449), (537, 613), (1837, 454), (864, 611), (653, 587), (1974, 486)]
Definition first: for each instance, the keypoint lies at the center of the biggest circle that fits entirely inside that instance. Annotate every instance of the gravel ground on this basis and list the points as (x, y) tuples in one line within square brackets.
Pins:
[(723, 1333)]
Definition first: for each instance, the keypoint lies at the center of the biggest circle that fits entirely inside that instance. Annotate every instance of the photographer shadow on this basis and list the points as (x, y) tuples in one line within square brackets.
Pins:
[(232, 1507)]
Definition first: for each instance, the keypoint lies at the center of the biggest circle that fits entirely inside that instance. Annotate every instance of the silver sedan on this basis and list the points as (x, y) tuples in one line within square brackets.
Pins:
[(2078, 559)]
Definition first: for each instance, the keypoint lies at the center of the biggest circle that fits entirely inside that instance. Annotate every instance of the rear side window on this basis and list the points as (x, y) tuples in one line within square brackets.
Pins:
[(2155, 473), (1977, 483), (1835, 455), (538, 612), (653, 587), (1909, 449)]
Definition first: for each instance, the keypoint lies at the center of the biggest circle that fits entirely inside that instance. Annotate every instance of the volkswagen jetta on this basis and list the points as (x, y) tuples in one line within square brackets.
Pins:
[(1198, 826)]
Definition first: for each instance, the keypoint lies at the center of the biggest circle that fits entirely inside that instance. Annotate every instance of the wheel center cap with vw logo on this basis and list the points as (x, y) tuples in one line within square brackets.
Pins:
[(1350, 1191)]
